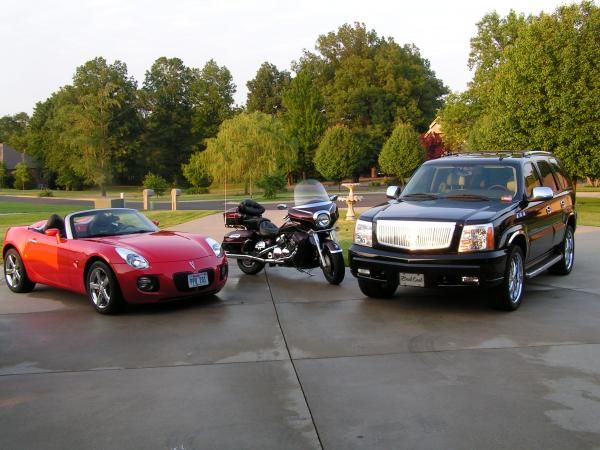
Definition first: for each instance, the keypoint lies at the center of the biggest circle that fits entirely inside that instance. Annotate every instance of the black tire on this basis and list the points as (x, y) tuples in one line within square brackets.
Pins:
[(103, 289), (509, 294), (375, 289), (249, 266), (15, 273), (565, 265), (334, 269)]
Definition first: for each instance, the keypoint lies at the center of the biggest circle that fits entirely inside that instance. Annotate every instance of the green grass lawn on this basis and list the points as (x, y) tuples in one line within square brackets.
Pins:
[(17, 214), (588, 211)]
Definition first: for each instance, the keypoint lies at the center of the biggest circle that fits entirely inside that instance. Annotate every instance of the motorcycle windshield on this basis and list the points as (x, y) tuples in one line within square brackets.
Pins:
[(310, 193)]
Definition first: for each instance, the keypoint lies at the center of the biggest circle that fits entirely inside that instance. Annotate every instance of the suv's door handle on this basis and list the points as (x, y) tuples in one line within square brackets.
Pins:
[(548, 210), (563, 203)]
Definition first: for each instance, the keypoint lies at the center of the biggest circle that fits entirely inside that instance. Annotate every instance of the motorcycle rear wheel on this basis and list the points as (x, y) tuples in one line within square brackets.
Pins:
[(249, 266)]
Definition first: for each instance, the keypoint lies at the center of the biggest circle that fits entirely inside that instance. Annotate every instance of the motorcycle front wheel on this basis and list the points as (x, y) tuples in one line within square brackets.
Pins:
[(334, 268), (250, 266)]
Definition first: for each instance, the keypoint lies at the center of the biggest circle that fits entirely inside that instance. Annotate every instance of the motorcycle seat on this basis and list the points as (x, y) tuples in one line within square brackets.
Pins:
[(249, 207), (268, 229)]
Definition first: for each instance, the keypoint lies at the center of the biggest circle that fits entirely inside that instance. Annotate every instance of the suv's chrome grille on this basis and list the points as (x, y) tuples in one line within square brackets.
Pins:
[(415, 235)]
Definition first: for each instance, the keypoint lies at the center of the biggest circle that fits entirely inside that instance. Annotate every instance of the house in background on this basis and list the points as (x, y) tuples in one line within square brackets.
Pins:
[(11, 157)]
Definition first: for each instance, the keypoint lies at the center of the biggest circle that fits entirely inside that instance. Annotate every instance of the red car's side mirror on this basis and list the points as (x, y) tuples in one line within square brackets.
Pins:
[(155, 222), (51, 232)]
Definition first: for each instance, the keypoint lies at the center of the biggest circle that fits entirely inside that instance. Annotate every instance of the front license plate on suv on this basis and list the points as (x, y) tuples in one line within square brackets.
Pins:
[(197, 279), (412, 279)]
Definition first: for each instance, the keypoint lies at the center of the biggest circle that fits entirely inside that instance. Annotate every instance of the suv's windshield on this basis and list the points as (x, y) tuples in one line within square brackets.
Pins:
[(309, 191), (494, 181)]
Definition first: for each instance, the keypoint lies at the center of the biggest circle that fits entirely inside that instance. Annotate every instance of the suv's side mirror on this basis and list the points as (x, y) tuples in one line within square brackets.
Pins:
[(393, 192), (541, 194), (282, 206), (333, 198)]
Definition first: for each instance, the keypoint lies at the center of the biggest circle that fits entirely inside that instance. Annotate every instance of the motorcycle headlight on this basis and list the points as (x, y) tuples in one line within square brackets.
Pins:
[(363, 233), (323, 220), (215, 246), (132, 258), (477, 237)]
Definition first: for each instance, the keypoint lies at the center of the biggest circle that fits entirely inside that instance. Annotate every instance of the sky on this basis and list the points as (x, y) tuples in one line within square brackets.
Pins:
[(42, 42)]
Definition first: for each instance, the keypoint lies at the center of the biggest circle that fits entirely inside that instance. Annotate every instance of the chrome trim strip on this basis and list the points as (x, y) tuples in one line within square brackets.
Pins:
[(312, 205), (544, 267)]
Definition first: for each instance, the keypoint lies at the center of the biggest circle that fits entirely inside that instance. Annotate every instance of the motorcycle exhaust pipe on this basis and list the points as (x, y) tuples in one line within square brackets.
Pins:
[(262, 260)]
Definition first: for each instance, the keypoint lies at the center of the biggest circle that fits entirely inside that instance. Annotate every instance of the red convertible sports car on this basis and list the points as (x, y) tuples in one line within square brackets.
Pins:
[(112, 255)]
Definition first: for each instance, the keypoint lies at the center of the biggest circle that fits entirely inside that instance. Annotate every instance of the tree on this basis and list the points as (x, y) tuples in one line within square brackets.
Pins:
[(12, 130), (433, 145), (304, 119), (2, 174), (339, 154), (546, 90), (212, 99), (156, 183), (247, 147), (402, 153), (168, 108), (101, 124), (266, 89), (457, 119), (21, 175)]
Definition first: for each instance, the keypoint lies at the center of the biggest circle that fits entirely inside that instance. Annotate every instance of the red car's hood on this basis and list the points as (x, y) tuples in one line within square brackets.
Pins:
[(162, 246)]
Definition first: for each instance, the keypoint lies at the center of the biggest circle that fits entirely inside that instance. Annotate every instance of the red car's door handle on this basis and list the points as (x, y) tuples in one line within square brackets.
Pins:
[(33, 240)]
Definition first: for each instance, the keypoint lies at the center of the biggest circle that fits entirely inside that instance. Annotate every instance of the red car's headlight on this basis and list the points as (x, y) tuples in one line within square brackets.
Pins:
[(132, 258)]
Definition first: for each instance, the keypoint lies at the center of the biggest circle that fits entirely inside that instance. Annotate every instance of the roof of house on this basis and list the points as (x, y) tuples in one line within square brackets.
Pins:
[(11, 157)]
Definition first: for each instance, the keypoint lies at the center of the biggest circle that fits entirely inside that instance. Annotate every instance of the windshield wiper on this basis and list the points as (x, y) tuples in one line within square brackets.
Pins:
[(420, 195), (467, 197)]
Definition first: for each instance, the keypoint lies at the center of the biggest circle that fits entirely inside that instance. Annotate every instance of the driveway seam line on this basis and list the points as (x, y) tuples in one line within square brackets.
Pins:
[(312, 419)]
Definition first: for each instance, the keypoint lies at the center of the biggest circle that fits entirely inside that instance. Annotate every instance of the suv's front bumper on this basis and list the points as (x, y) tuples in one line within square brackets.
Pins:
[(464, 269)]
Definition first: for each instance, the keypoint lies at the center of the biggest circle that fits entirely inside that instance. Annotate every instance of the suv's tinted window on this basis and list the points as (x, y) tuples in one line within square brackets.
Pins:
[(547, 177), (560, 174), (531, 179)]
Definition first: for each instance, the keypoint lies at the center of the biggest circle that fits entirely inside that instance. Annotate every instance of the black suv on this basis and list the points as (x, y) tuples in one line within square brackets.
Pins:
[(485, 219)]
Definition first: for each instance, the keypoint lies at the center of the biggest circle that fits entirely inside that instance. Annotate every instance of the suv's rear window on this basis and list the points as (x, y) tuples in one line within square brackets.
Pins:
[(560, 174), (491, 181)]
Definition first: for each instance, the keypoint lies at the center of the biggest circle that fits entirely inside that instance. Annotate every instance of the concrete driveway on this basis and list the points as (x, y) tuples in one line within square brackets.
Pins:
[(284, 361)]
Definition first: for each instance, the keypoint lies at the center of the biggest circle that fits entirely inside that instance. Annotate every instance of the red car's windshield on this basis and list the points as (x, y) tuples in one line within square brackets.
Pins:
[(109, 222)]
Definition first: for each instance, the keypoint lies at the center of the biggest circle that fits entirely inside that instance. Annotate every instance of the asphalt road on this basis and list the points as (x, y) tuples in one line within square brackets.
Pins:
[(285, 361), (369, 199)]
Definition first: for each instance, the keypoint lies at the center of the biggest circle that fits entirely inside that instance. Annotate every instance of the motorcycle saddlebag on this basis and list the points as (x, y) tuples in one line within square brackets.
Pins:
[(234, 240), (251, 208)]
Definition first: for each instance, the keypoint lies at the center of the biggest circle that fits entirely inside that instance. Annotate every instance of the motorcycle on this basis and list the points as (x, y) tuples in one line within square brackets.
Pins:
[(305, 241)]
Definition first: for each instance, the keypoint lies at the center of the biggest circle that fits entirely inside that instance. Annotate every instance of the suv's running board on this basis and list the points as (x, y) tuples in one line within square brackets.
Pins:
[(543, 267)]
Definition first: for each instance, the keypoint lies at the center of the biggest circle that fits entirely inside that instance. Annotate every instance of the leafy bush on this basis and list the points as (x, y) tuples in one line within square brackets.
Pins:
[(402, 152), (271, 184), (21, 175), (197, 190), (45, 193), (155, 182)]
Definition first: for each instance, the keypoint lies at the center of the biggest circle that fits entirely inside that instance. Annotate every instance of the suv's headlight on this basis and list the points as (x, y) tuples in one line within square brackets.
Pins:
[(363, 233), (132, 258), (477, 237), (215, 246)]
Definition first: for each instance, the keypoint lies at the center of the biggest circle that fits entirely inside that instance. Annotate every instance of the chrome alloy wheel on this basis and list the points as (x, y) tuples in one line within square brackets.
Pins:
[(100, 287), (569, 250), (515, 277), (13, 271)]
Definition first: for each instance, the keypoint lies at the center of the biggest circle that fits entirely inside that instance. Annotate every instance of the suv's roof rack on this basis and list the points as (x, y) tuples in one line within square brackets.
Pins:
[(501, 153)]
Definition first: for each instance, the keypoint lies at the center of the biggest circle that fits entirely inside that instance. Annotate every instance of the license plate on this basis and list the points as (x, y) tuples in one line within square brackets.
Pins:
[(412, 279), (197, 279)]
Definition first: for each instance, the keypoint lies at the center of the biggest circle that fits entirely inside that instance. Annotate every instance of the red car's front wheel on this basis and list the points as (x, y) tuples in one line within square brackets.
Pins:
[(103, 289), (15, 273)]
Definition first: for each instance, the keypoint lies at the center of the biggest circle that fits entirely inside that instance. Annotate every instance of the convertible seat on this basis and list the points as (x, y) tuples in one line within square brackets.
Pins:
[(55, 221)]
